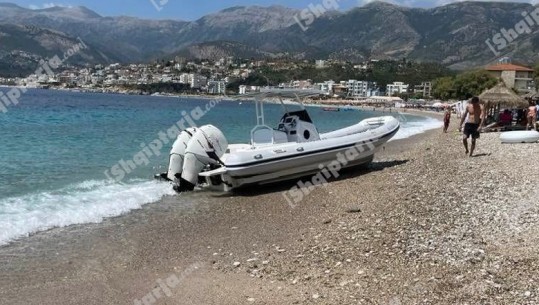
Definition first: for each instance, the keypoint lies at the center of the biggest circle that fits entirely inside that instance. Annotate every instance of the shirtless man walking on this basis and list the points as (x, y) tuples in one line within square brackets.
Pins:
[(475, 119)]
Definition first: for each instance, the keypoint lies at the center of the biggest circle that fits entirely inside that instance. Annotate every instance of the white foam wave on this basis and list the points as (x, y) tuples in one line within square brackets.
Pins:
[(411, 128), (86, 202)]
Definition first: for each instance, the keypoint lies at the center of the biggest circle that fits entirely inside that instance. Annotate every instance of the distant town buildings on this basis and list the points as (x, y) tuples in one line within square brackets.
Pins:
[(396, 88), (197, 81), (184, 78), (301, 84), (5, 81), (216, 87), (350, 89), (362, 88), (248, 89), (326, 87), (424, 89), (213, 77)]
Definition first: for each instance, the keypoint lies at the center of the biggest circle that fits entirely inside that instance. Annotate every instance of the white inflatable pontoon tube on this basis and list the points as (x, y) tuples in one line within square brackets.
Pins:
[(512, 137)]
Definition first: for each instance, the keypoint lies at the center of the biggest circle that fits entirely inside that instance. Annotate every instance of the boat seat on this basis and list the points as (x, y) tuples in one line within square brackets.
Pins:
[(279, 137), (267, 135), (262, 135)]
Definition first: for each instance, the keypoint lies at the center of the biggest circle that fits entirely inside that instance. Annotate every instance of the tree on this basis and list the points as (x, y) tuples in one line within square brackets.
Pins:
[(463, 86), (404, 96), (536, 76), (473, 83), (443, 88)]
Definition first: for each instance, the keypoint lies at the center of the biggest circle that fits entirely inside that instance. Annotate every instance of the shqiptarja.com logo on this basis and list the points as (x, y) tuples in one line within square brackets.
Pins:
[(159, 4)]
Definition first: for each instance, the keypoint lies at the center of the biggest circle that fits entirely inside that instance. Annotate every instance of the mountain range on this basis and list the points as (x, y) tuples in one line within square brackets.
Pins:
[(453, 34)]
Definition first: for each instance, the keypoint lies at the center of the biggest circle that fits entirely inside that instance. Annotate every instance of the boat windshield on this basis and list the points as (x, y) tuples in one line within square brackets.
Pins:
[(301, 114)]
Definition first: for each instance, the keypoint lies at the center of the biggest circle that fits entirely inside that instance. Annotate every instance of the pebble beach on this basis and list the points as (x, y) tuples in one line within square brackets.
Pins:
[(423, 224)]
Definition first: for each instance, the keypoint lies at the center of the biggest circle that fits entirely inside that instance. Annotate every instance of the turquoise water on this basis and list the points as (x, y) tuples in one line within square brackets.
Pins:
[(56, 147)]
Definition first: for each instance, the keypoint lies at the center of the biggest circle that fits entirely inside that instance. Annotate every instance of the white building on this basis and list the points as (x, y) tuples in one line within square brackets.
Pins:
[(166, 78), (326, 86), (361, 88), (184, 78), (246, 89), (320, 64), (197, 81), (396, 88), (242, 89), (425, 89), (97, 79), (216, 87), (301, 84)]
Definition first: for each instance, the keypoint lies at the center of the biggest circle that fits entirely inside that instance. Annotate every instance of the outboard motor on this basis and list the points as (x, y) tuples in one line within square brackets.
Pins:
[(177, 154), (207, 145)]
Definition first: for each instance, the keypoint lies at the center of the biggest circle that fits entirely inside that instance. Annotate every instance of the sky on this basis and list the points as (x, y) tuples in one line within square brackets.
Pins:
[(194, 9)]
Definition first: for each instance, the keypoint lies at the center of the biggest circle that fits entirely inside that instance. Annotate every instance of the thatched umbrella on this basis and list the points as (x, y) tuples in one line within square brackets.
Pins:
[(500, 96), (503, 96)]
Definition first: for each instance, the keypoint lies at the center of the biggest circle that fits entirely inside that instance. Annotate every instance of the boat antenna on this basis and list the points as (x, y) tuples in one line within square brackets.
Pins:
[(284, 105), (300, 101)]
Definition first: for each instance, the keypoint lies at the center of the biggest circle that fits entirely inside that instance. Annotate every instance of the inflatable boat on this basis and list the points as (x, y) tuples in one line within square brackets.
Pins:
[(293, 149), (512, 137)]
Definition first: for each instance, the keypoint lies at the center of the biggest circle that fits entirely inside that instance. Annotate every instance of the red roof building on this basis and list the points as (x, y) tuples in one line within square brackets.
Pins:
[(508, 67), (517, 77)]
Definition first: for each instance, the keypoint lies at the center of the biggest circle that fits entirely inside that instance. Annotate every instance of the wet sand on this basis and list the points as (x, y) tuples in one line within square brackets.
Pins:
[(410, 229)]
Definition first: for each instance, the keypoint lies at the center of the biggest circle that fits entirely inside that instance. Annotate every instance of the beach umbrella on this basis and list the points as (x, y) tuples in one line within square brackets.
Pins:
[(438, 105), (503, 96)]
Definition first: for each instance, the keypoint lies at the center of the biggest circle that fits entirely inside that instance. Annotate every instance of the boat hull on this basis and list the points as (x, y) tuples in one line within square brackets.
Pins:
[(315, 159), (294, 160), (297, 172)]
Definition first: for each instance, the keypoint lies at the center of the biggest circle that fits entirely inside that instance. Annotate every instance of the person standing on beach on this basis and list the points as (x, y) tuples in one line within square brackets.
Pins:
[(532, 116), (447, 118), (475, 119)]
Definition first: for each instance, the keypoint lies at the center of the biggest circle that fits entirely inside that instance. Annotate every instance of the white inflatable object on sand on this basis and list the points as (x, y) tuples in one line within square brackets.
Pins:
[(512, 137)]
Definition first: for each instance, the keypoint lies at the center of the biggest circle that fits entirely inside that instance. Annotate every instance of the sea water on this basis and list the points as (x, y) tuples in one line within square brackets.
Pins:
[(57, 146)]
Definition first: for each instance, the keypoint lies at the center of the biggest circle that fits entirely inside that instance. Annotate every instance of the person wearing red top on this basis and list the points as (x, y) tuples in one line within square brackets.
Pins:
[(506, 118), (532, 116), (447, 118)]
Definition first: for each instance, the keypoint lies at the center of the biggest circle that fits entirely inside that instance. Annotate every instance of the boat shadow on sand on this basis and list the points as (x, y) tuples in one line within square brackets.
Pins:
[(348, 173)]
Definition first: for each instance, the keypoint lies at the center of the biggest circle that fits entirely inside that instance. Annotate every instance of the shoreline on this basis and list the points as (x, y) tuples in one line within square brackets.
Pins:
[(309, 102)]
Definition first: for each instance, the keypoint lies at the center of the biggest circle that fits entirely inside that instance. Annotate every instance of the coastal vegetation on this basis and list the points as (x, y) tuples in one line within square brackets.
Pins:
[(463, 86), (160, 87)]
